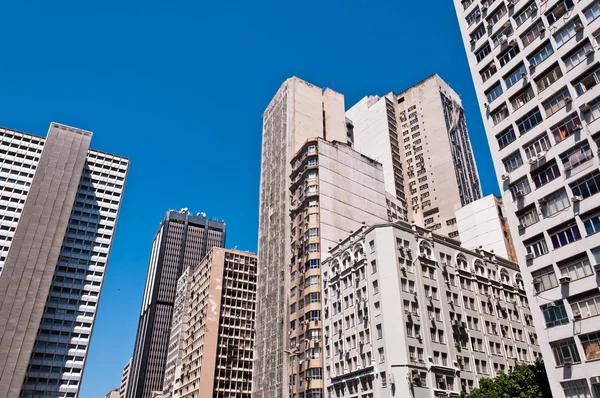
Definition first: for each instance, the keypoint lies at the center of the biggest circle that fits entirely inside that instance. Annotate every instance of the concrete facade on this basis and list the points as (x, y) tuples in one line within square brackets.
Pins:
[(483, 224), (217, 347), (182, 240), (535, 69), (297, 112), (409, 313), (113, 394), (57, 219), (420, 136), (334, 190)]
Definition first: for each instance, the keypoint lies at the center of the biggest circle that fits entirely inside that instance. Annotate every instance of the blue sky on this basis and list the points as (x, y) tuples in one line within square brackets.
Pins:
[(179, 88)]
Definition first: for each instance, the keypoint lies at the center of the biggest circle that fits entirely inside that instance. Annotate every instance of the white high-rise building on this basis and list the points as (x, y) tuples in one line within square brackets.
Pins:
[(536, 73), (59, 202)]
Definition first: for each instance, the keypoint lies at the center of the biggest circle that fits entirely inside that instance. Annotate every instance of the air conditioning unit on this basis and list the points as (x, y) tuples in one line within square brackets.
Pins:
[(430, 297), (522, 226), (542, 29), (519, 194), (536, 281), (568, 99), (513, 43), (532, 160), (585, 107), (529, 256), (597, 268), (511, 2), (595, 380), (576, 314), (432, 317), (567, 363), (472, 41), (484, 7), (487, 106), (418, 337), (577, 127), (564, 279), (505, 177), (403, 268), (542, 201), (576, 199), (503, 39), (578, 26)]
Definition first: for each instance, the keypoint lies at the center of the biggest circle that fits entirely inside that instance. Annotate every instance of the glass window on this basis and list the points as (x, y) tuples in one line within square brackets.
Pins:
[(592, 12), (576, 155), (473, 16), (556, 102), (527, 13), (539, 145), (515, 75), (548, 78), (529, 120), (513, 161), (566, 127), (532, 33), (555, 314), (544, 279), (576, 389), (587, 307), (523, 97), (591, 345), (587, 186), (567, 32), (546, 174), (565, 235), (528, 216), (579, 56), (554, 202), (494, 93), (483, 52), (520, 188), (478, 33), (593, 113), (565, 351), (587, 82), (488, 71), (576, 268), (540, 56), (592, 224), (506, 137), (499, 115), (507, 56)]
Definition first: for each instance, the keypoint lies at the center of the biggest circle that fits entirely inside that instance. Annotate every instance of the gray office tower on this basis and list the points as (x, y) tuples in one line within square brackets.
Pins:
[(59, 202), (182, 240)]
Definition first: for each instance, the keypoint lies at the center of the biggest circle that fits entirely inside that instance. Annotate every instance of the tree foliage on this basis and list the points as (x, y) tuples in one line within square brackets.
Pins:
[(523, 381)]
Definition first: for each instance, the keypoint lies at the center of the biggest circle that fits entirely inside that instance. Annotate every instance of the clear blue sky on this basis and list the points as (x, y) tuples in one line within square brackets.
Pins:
[(179, 88)]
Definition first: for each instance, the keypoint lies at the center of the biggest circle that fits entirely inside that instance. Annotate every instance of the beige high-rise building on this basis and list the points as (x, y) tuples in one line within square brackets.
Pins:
[(535, 69), (113, 394), (297, 112), (334, 191), (218, 334), (125, 379), (420, 136)]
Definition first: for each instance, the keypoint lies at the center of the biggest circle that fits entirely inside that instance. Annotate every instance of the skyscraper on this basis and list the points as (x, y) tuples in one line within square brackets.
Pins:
[(59, 203), (298, 111), (219, 338), (535, 70), (182, 239), (420, 136), (125, 380)]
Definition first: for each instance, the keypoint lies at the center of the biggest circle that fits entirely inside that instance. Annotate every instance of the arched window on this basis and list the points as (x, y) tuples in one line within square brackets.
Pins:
[(346, 262), (425, 250), (479, 268), (359, 252), (504, 276), (519, 281), (461, 262)]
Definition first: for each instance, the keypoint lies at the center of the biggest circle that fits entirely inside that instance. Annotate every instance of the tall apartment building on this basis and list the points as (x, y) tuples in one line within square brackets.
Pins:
[(411, 313), (113, 394), (483, 224), (182, 240), (297, 112), (420, 136), (59, 203), (218, 340), (536, 74), (334, 190), (125, 380)]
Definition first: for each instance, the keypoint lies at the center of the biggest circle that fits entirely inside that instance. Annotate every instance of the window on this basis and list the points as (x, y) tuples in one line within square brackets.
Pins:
[(512, 161), (375, 287), (554, 202), (565, 352), (544, 279), (588, 306), (528, 216), (483, 52), (578, 56), (576, 389), (507, 56), (542, 54), (539, 145), (500, 114), (379, 331), (592, 224), (556, 102), (473, 16), (587, 186), (515, 75), (592, 12), (555, 314), (576, 268), (506, 137), (529, 120), (488, 71), (587, 82), (496, 16), (559, 11), (567, 32), (566, 127), (576, 156), (564, 235), (593, 113), (532, 33), (520, 188), (521, 98), (548, 78), (494, 93), (545, 175), (478, 33), (527, 13)]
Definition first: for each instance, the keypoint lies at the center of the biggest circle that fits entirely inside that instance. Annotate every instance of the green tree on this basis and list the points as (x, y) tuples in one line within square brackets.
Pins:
[(523, 381)]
